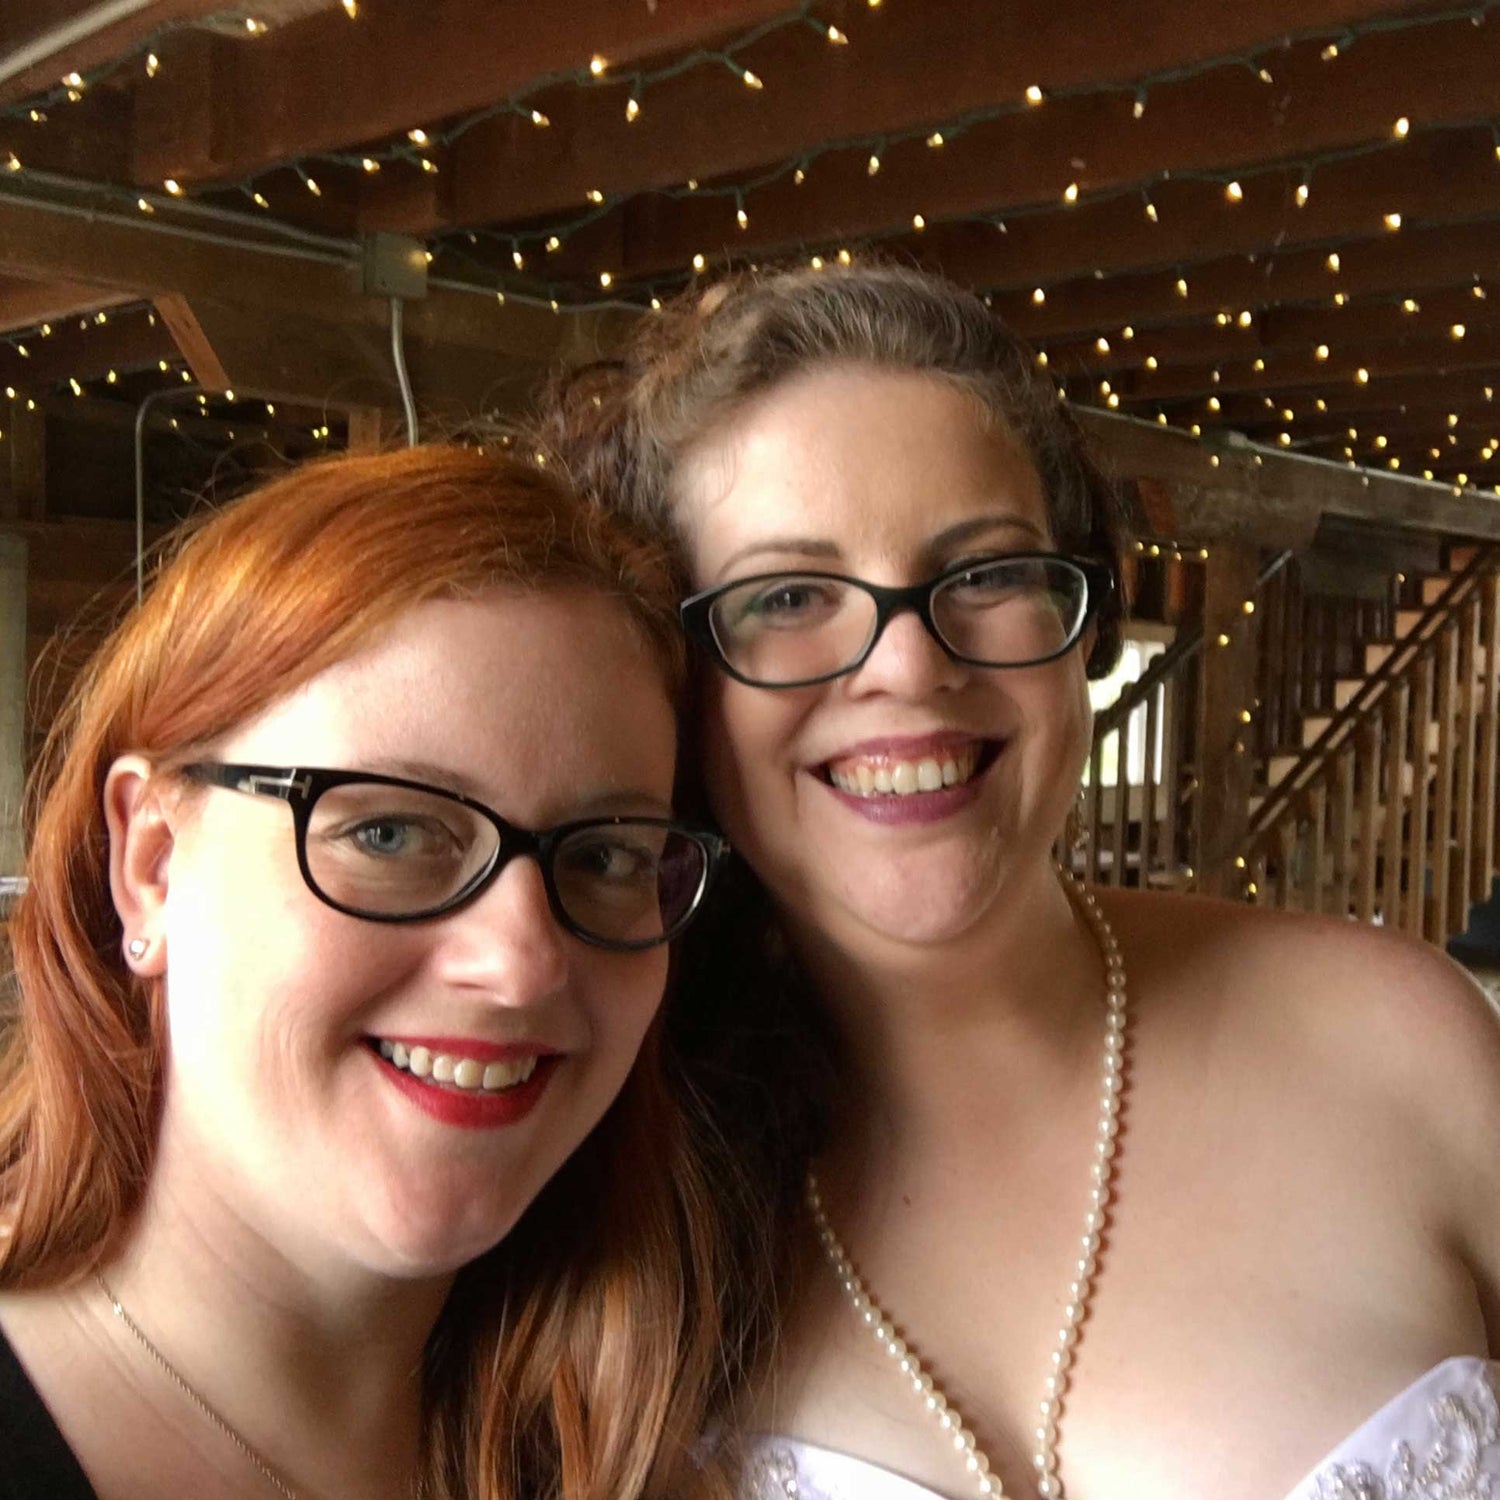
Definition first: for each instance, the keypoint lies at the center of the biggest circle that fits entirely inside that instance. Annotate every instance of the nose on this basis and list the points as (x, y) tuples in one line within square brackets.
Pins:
[(907, 661), (507, 941)]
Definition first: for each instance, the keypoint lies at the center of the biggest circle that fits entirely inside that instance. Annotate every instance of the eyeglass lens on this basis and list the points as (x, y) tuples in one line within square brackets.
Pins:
[(1006, 612), (392, 851)]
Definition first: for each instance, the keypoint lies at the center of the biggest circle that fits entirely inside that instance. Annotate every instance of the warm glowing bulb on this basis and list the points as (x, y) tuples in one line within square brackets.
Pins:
[(518, 260), (351, 9), (594, 195), (1330, 52), (699, 262), (539, 119), (1038, 296), (1102, 344), (1139, 107), (1151, 361), (1246, 318), (632, 110), (751, 80), (845, 259), (1151, 211), (873, 165), (799, 177), (1258, 365), (73, 80), (370, 164), (1127, 332), (1401, 129), (935, 139), (1041, 358), (1034, 94), (605, 279), (1182, 286), (1234, 192), (174, 187), (1457, 331), (918, 223), (1303, 191), (554, 244), (1321, 352), (153, 65), (742, 218), (254, 26), (836, 36), (1392, 222), (1410, 305), (313, 187), (417, 136), (429, 166), (1362, 376), (1070, 193), (1333, 262), (597, 65), (1214, 404), (260, 200)]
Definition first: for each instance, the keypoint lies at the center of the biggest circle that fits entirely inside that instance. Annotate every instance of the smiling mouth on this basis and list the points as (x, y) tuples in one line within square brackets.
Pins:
[(858, 776), (465, 1075)]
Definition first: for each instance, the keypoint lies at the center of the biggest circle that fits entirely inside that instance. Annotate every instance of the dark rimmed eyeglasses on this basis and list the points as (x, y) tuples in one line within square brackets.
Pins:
[(389, 850), (786, 630)]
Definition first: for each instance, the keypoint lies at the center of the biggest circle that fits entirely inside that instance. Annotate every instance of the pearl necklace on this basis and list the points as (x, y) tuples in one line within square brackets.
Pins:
[(882, 1325)]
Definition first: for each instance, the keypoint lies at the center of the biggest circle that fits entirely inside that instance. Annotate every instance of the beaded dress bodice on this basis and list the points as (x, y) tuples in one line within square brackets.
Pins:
[(1438, 1440)]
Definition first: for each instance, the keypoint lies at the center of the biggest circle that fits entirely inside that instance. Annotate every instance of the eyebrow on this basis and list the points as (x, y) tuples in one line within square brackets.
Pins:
[(617, 801), (945, 540)]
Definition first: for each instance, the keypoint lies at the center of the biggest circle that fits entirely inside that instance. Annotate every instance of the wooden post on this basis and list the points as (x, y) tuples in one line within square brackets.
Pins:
[(27, 441), (1227, 688)]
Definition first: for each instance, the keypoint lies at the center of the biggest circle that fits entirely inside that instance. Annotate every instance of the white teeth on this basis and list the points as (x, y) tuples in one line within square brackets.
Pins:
[(903, 778), (461, 1072)]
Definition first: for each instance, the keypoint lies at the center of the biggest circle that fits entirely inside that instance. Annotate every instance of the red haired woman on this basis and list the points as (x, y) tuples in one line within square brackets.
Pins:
[(351, 868)]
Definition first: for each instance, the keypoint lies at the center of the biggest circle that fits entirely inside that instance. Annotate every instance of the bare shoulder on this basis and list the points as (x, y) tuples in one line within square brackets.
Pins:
[(1404, 1046)]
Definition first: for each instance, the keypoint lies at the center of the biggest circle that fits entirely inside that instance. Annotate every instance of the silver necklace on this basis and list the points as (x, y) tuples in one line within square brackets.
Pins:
[(882, 1326), (267, 1472)]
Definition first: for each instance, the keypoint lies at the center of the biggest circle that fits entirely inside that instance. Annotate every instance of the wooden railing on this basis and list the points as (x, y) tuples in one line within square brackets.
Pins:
[(1390, 815), (1143, 828)]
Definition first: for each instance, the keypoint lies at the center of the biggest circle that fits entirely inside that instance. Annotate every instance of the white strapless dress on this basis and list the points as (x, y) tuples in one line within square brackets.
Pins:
[(1438, 1440)]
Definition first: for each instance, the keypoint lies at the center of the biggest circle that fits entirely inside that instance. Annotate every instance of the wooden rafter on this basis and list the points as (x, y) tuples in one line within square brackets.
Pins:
[(24, 304), (1219, 123), (309, 88)]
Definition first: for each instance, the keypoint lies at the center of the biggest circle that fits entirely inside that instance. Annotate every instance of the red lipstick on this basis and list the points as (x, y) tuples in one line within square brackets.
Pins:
[(472, 1109)]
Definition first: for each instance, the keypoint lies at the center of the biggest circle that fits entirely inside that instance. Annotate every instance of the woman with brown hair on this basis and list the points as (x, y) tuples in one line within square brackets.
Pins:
[(351, 868), (1114, 1196)]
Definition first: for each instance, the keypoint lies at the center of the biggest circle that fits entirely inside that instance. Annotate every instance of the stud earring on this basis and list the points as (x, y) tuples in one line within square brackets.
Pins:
[(137, 947)]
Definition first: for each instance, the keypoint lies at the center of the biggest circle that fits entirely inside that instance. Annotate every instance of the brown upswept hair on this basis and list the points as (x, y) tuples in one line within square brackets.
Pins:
[(762, 1051), (622, 426), (572, 1359)]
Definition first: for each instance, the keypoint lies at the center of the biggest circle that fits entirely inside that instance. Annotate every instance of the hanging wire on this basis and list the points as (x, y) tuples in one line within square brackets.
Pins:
[(398, 358)]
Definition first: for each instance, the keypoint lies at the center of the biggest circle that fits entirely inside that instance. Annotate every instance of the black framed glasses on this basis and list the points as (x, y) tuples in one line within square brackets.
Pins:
[(785, 630), (389, 850)]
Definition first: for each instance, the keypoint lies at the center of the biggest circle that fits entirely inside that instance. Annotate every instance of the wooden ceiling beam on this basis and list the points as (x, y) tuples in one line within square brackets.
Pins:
[(1349, 403), (128, 341), (1285, 374), (1413, 263), (129, 256), (41, 40), (906, 68), (1280, 500), (329, 85), (1358, 326), (24, 304)]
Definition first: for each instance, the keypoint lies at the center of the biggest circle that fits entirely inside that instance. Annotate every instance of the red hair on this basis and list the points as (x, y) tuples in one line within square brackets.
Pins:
[(557, 1372)]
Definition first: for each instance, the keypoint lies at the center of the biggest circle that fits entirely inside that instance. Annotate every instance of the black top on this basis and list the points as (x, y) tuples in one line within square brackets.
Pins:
[(35, 1462)]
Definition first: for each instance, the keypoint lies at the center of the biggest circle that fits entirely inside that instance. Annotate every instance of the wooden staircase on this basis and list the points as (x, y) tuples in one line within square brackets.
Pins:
[(1368, 755)]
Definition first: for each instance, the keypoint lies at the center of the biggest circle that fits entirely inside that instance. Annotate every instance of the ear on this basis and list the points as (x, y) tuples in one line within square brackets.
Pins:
[(136, 811)]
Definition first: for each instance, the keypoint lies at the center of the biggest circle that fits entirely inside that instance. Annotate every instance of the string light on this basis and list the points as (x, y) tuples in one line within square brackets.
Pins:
[(12, 162), (918, 223), (1182, 286), (873, 165), (428, 165), (417, 136), (153, 65), (1457, 331), (351, 9), (1070, 193), (1333, 262), (1101, 344), (743, 219), (1362, 376), (1402, 128), (1038, 296), (539, 119), (255, 26), (1151, 362), (1246, 318), (174, 187), (1392, 222), (369, 164), (73, 81), (260, 200), (594, 195), (698, 262), (1410, 305), (1321, 352), (751, 80), (605, 279), (1034, 94), (554, 244), (597, 65), (1330, 52), (1234, 192), (1127, 332), (836, 36), (1304, 191), (632, 110), (1340, 298), (1138, 108), (935, 140)]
